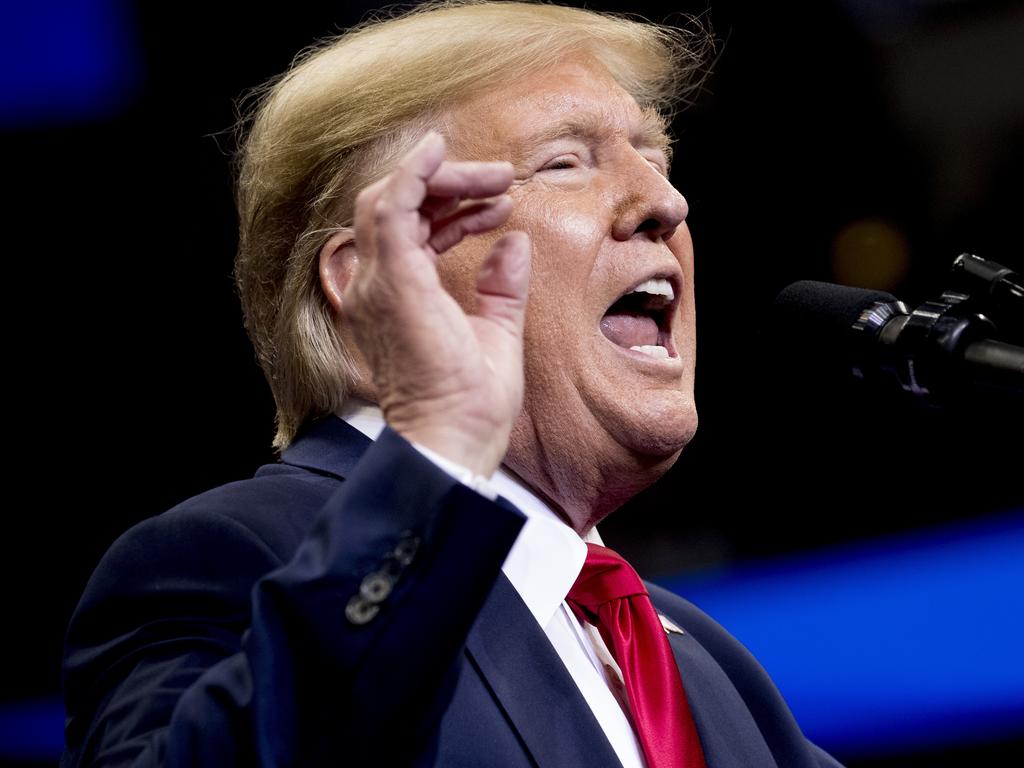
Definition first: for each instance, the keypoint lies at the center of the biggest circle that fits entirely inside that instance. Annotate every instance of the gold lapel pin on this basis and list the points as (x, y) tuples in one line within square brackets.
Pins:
[(669, 626)]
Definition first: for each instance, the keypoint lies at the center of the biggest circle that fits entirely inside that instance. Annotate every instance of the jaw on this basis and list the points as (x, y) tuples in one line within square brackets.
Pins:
[(600, 422), (646, 404), (590, 439), (582, 482)]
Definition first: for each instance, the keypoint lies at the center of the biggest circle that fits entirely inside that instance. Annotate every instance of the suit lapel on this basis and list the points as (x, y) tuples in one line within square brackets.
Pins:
[(541, 700), (533, 687)]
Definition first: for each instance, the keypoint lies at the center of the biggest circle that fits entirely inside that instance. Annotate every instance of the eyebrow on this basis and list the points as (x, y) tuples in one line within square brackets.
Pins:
[(651, 132)]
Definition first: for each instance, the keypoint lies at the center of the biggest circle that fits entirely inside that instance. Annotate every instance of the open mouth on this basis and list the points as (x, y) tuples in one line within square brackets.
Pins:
[(641, 319)]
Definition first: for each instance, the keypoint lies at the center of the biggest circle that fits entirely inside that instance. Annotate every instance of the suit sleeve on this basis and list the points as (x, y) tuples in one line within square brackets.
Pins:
[(195, 644)]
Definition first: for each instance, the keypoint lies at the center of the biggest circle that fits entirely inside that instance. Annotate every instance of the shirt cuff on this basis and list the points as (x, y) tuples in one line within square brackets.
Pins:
[(478, 483)]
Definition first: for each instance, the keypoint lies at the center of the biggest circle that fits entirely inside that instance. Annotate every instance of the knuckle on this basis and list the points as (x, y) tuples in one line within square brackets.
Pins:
[(381, 211), (366, 196)]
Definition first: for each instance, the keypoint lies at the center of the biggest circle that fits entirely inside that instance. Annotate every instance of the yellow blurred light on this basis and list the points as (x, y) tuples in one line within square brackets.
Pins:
[(870, 253)]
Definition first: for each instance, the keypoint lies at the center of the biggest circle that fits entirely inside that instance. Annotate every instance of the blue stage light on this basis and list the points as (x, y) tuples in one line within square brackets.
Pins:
[(65, 60), (913, 642), (31, 730)]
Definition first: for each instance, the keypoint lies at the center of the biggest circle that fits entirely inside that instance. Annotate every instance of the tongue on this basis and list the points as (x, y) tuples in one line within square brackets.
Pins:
[(628, 330)]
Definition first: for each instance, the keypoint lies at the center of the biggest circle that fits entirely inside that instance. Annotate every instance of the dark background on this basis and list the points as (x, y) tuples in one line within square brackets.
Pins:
[(851, 141)]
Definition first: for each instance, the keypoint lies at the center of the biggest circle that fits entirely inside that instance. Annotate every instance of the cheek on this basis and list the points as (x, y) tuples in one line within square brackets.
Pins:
[(566, 242), (681, 245), (547, 212), (458, 267), (685, 341), (566, 238), (558, 233)]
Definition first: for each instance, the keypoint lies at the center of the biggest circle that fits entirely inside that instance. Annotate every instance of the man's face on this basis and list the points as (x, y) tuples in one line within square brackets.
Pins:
[(591, 191)]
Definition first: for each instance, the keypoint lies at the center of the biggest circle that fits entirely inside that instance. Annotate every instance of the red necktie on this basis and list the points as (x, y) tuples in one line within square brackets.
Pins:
[(609, 594)]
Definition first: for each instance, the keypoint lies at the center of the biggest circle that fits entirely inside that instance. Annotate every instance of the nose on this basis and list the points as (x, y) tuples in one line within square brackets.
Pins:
[(647, 205)]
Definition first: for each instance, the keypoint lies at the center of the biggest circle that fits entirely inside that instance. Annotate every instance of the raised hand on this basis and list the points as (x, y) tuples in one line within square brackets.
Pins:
[(448, 380)]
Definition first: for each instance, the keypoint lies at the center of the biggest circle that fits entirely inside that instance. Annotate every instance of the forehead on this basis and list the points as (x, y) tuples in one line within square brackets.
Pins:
[(575, 98)]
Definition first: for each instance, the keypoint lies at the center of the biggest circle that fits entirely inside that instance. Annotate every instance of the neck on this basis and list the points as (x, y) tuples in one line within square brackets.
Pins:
[(366, 416), (582, 483)]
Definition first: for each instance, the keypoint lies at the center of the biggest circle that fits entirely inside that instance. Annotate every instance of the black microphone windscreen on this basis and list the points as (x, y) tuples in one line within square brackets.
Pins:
[(811, 323), (834, 307)]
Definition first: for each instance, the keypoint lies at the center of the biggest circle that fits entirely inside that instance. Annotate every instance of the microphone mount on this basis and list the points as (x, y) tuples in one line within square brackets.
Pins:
[(949, 344)]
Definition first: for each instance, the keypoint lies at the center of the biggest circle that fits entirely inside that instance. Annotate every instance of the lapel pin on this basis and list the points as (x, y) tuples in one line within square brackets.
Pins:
[(670, 627)]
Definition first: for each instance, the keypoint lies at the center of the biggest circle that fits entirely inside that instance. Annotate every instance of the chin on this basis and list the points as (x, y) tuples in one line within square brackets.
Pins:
[(656, 431)]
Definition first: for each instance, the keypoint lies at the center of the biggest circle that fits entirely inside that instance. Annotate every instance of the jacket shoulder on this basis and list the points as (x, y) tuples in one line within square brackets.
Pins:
[(759, 693), (194, 564), (277, 506), (695, 621), (737, 662)]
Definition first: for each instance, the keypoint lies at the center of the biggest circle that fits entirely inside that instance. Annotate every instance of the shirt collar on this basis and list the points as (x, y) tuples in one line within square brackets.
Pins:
[(548, 554), (364, 416)]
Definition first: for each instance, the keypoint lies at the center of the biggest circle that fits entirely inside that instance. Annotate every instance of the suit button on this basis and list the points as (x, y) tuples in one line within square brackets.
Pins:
[(359, 612), (391, 568), (375, 587), (406, 548)]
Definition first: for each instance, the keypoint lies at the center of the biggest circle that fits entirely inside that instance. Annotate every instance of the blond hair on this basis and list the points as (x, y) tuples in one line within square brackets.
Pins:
[(346, 110)]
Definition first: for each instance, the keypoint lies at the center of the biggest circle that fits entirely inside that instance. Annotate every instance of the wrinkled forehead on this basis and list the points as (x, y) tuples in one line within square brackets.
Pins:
[(577, 98)]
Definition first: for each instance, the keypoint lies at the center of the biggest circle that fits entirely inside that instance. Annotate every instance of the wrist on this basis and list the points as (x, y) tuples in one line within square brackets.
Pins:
[(464, 475), (479, 458)]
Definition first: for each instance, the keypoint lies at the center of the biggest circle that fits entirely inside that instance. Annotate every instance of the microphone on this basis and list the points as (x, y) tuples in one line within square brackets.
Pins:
[(943, 349)]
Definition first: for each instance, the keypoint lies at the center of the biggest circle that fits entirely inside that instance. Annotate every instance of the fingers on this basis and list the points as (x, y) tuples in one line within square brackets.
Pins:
[(421, 202), (470, 179), (444, 378), (503, 282), (387, 218), (456, 181), (407, 186), (423, 172), (471, 219)]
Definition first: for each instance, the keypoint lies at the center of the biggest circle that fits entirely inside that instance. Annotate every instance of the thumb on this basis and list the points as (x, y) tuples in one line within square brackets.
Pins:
[(504, 280)]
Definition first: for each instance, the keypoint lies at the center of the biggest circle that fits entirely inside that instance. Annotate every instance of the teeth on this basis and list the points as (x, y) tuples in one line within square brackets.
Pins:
[(654, 351), (658, 286)]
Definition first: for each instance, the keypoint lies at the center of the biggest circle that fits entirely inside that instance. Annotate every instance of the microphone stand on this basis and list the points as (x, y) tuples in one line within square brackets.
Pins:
[(958, 342)]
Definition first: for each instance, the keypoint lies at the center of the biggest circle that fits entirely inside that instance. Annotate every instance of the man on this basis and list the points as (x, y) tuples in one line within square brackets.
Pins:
[(375, 598)]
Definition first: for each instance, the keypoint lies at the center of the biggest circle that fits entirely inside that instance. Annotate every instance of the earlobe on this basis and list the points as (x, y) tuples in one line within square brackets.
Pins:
[(338, 264)]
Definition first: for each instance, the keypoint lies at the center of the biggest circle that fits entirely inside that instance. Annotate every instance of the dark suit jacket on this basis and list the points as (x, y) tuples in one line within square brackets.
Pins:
[(295, 619)]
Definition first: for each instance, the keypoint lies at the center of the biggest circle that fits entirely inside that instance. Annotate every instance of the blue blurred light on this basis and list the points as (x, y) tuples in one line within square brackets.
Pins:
[(32, 730), (902, 644), (65, 60)]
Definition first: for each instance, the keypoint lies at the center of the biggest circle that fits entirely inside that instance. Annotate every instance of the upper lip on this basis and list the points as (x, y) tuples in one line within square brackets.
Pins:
[(674, 278)]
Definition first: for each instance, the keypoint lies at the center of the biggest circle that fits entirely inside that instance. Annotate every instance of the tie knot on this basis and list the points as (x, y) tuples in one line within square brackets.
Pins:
[(610, 595), (605, 576)]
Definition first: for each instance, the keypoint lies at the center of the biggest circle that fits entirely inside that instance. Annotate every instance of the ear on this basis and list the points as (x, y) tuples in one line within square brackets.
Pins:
[(338, 264)]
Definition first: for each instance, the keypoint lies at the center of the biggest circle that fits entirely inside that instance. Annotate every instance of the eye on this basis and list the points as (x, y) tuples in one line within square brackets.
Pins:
[(659, 163), (564, 163)]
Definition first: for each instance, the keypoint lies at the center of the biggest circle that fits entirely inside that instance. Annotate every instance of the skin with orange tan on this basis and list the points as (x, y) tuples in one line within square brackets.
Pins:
[(433, 285)]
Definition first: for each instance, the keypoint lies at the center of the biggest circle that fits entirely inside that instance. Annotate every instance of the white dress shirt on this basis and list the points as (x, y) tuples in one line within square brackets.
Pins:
[(543, 565)]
